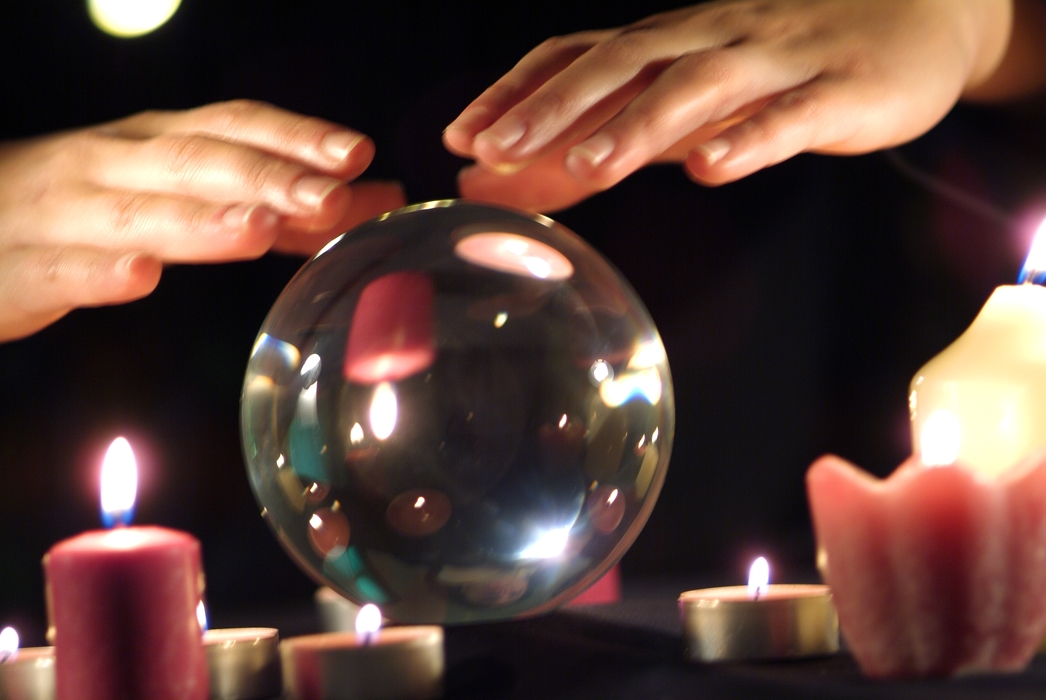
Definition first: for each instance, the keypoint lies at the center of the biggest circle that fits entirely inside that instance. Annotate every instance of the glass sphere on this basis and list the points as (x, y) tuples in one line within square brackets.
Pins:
[(457, 412)]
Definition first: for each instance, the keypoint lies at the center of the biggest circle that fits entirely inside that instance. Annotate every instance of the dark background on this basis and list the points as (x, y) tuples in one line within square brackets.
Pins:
[(795, 305)]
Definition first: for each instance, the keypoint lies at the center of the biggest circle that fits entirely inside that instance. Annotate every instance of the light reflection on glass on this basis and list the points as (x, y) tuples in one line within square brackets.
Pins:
[(644, 383), (548, 544), (383, 411)]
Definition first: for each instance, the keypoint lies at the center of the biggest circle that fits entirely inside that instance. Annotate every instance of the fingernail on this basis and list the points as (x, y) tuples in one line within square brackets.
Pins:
[(593, 151), (468, 120), (312, 189), (236, 215), (714, 150), (127, 264), (505, 133), (339, 144)]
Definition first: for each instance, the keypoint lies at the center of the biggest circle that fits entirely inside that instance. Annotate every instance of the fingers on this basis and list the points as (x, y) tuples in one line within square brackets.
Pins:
[(822, 115), (174, 229), (40, 285), (369, 199), (696, 90), (310, 141), (207, 168), (533, 70)]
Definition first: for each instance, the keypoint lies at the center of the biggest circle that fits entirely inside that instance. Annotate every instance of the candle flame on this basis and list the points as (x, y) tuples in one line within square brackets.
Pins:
[(1034, 270), (758, 578), (8, 644), (368, 622), (940, 439), (201, 616), (383, 411), (119, 483)]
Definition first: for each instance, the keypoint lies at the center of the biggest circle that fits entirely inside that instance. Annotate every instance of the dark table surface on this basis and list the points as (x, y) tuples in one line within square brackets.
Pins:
[(634, 650)]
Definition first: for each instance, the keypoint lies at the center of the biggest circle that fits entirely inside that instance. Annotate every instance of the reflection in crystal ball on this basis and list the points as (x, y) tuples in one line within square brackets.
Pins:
[(457, 412)]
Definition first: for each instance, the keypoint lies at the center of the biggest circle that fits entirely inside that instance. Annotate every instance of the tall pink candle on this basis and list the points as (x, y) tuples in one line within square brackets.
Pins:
[(123, 606)]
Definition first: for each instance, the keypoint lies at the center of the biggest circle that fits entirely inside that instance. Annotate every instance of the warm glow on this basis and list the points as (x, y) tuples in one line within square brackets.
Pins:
[(383, 411), (940, 439), (130, 18), (500, 319), (1035, 264), (515, 254), (356, 434), (645, 383), (758, 578), (648, 354), (600, 371), (201, 616), (368, 621), (8, 644), (420, 503), (550, 543), (612, 497), (119, 483)]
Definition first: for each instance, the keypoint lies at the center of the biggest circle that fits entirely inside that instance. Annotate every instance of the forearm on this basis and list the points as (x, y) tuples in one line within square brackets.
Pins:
[(1020, 70)]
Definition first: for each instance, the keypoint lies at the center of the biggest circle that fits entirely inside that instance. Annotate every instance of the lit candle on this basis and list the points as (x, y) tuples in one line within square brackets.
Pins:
[(937, 570), (371, 663), (123, 604), (25, 674), (982, 401), (759, 621)]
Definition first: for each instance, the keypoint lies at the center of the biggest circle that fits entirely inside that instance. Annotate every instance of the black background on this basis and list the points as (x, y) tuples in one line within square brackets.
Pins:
[(795, 305)]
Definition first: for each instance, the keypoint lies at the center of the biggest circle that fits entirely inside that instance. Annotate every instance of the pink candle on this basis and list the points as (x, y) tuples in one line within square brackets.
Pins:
[(935, 571), (391, 336), (123, 605)]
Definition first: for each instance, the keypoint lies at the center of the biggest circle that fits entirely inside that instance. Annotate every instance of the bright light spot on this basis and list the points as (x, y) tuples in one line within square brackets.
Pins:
[(537, 266), (648, 354), (383, 411), (612, 497), (940, 439), (311, 366), (550, 543), (368, 622), (119, 481), (130, 18), (653, 436), (500, 319), (516, 246), (280, 461), (8, 644), (758, 578), (201, 616), (600, 372), (316, 522), (307, 405), (330, 245), (356, 434), (563, 421), (645, 383), (420, 503), (1035, 263), (642, 441)]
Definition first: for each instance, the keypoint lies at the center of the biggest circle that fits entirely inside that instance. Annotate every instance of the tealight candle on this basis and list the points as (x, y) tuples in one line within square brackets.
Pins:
[(25, 674), (244, 663), (397, 663), (759, 621), (123, 604)]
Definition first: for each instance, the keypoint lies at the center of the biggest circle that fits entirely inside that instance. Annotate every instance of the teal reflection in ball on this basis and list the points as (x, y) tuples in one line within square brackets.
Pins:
[(458, 412)]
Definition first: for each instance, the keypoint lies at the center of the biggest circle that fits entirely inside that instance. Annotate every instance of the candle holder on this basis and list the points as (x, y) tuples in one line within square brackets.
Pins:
[(243, 663), (28, 675)]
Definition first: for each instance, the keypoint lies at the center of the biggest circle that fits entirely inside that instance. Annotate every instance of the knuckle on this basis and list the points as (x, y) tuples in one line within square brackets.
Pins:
[(232, 115), (182, 155), (261, 173), (126, 211)]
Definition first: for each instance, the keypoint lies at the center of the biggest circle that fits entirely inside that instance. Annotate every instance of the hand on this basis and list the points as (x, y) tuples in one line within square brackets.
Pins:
[(88, 217), (726, 88)]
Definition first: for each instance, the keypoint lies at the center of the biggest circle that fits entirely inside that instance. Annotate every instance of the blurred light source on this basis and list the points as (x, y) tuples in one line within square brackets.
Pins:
[(130, 18)]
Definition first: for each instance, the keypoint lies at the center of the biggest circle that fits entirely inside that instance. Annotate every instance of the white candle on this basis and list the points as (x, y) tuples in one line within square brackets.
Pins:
[(981, 403)]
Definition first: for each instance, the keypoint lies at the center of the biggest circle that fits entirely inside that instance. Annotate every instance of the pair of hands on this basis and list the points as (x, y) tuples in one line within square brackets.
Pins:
[(725, 88)]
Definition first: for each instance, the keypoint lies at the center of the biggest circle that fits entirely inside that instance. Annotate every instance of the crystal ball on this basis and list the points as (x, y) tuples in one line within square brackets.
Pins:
[(457, 412)]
